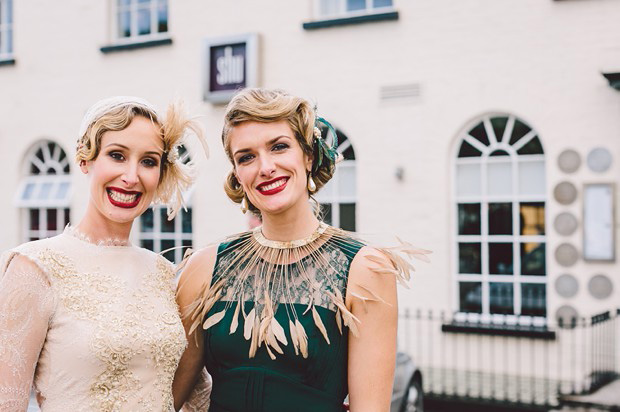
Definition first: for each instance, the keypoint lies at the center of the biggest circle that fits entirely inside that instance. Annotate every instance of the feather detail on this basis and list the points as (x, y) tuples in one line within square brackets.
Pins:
[(319, 324), (254, 333), (213, 319), (293, 330), (374, 297), (278, 331), (249, 324), (339, 320), (235, 320), (302, 338)]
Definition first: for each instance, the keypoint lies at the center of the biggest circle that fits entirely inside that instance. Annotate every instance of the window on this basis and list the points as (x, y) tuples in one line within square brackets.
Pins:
[(139, 20), (340, 8), (158, 234), (338, 196), (6, 29), (499, 211), (44, 194)]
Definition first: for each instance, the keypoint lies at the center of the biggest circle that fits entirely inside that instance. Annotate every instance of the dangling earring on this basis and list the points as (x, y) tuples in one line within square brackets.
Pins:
[(244, 204), (311, 184)]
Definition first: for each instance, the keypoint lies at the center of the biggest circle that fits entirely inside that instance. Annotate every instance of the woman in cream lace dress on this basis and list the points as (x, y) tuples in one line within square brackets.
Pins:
[(85, 316)]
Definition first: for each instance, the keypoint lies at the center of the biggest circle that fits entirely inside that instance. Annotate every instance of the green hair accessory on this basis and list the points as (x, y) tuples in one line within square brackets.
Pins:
[(322, 151)]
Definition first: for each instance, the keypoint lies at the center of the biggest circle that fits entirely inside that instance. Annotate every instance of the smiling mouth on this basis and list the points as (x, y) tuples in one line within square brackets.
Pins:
[(122, 198), (273, 186)]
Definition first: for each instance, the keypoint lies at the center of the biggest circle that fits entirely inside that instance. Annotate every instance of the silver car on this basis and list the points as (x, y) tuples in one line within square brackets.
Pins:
[(407, 394)]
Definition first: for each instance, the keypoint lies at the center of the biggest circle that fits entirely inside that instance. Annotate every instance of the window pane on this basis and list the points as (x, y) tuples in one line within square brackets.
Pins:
[(480, 133), (501, 298), (326, 210), (162, 16), (467, 150), (469, 219), (469, 258), (500, 218), (51, 219), (500, 259), (146, 221), (9, 41), (533, 259), (532, 178), (468, 180), (122, 3), (328, 7), (67, 217), (28, 191), (165, 245), (499, 126), (381, 3), (124, 24), (532, 218), (144, 21), (346, 180), (533, 299), (147, 244), (519, 130), (44, 192), (470, 297), (34, 219), (532, 147), (62, 190), (347, 216), (187, 220), (499, 178), (353, 5), (167, 226)]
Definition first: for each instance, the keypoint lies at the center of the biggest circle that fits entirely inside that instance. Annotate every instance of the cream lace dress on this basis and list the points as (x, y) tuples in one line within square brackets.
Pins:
[(95, 327)]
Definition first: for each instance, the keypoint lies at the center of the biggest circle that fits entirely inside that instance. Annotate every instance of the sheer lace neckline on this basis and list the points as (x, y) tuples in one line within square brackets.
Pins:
[(291, 244), (114, 242)]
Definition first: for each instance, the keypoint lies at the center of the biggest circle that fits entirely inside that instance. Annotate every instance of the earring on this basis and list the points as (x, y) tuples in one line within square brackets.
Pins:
[(244, 205), (311, 184)]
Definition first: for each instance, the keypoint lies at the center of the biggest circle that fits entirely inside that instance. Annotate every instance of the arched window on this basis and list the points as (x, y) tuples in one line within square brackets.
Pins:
[(499, 211), (156, 233), (44, 194), (339, 195)]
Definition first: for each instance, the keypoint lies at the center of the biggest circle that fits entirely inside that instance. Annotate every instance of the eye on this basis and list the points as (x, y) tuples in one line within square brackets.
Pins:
[(245, 158), (116, 156), (150, 162), (278, 147)]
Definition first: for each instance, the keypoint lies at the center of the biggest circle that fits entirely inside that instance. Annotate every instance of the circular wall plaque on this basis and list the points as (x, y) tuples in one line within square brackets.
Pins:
[(599, 159), (566, 286), (565, 224), (566, 315), (600, 287), (565, 193), (569, 161), (566, 254)]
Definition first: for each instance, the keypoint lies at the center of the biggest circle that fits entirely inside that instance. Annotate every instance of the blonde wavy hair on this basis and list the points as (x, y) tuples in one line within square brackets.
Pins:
[(117, 113), (267, 106)]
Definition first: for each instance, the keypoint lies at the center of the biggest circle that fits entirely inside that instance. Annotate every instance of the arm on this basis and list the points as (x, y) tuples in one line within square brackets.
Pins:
[(195, 276), (372, 355), (26, 306)]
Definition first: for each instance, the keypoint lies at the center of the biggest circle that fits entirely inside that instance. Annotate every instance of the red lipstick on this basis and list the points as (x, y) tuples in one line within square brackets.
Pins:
[(275, 189), (118, 203)]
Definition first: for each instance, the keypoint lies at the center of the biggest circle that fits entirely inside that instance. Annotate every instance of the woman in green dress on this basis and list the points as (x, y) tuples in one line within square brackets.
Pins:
[(296, 314)]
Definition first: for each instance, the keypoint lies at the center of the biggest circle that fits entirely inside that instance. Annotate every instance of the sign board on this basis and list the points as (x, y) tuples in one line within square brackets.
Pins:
[(598, 222), (230, 64)]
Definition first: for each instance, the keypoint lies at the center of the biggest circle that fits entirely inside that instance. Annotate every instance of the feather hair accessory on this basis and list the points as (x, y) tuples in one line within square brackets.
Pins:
[(269, 274)]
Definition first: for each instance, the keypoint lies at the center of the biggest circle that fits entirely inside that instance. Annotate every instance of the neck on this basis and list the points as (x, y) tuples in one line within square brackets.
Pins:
[(98, 228), (295, 223)]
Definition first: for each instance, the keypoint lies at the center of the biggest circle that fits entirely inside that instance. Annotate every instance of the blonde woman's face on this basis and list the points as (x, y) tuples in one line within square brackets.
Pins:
[(270, 165), (125, 175)]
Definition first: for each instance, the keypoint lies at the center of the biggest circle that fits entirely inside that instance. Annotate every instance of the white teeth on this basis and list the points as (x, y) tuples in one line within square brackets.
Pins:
[(273, 185), (122, 197)]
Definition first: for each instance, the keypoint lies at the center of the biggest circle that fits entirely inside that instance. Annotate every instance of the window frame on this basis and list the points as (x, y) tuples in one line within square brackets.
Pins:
[(517, 279), (344, 13), (134, 7), (6, 26)]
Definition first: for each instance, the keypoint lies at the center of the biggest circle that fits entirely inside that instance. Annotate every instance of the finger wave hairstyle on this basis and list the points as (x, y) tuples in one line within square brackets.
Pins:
[(267, 106), (176, 177)]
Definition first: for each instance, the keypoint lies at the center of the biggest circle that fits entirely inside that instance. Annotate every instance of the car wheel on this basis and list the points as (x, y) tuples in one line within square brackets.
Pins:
[(413, 401)]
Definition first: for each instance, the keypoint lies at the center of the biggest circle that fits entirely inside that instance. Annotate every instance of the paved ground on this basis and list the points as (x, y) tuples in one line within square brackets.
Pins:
[(605, 399)]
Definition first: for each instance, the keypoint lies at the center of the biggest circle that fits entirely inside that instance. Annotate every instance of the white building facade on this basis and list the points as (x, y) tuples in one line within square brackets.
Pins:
[(482, 130)]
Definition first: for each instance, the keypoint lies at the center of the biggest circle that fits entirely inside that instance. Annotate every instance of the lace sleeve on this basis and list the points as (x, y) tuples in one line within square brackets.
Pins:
[(200, 397), (26, 306)]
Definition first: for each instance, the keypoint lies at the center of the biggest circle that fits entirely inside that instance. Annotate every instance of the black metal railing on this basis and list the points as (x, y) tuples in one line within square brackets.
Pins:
[(511, 360)]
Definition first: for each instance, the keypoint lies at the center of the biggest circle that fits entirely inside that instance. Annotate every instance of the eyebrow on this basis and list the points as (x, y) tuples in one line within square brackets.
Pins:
[(127, 148), (270, 142)]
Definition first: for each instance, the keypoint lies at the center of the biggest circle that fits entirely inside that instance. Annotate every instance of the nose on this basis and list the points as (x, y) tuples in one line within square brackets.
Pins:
[(267, 166), (130, 174)]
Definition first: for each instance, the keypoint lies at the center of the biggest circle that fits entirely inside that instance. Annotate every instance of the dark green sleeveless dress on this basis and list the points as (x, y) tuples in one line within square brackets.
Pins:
[(290, 382)]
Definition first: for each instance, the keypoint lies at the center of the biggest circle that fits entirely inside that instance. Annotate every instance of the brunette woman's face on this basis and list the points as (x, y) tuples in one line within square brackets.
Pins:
[(270, 165), (125, 175)]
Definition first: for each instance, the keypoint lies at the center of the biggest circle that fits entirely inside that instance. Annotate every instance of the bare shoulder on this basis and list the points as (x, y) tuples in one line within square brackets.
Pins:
[(196, 274)]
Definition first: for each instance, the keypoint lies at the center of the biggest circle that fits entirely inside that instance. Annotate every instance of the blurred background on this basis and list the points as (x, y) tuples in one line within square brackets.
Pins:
[(487, 131)]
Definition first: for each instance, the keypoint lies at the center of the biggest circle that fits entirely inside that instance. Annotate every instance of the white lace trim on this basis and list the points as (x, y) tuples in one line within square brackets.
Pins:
[(72, 231)]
